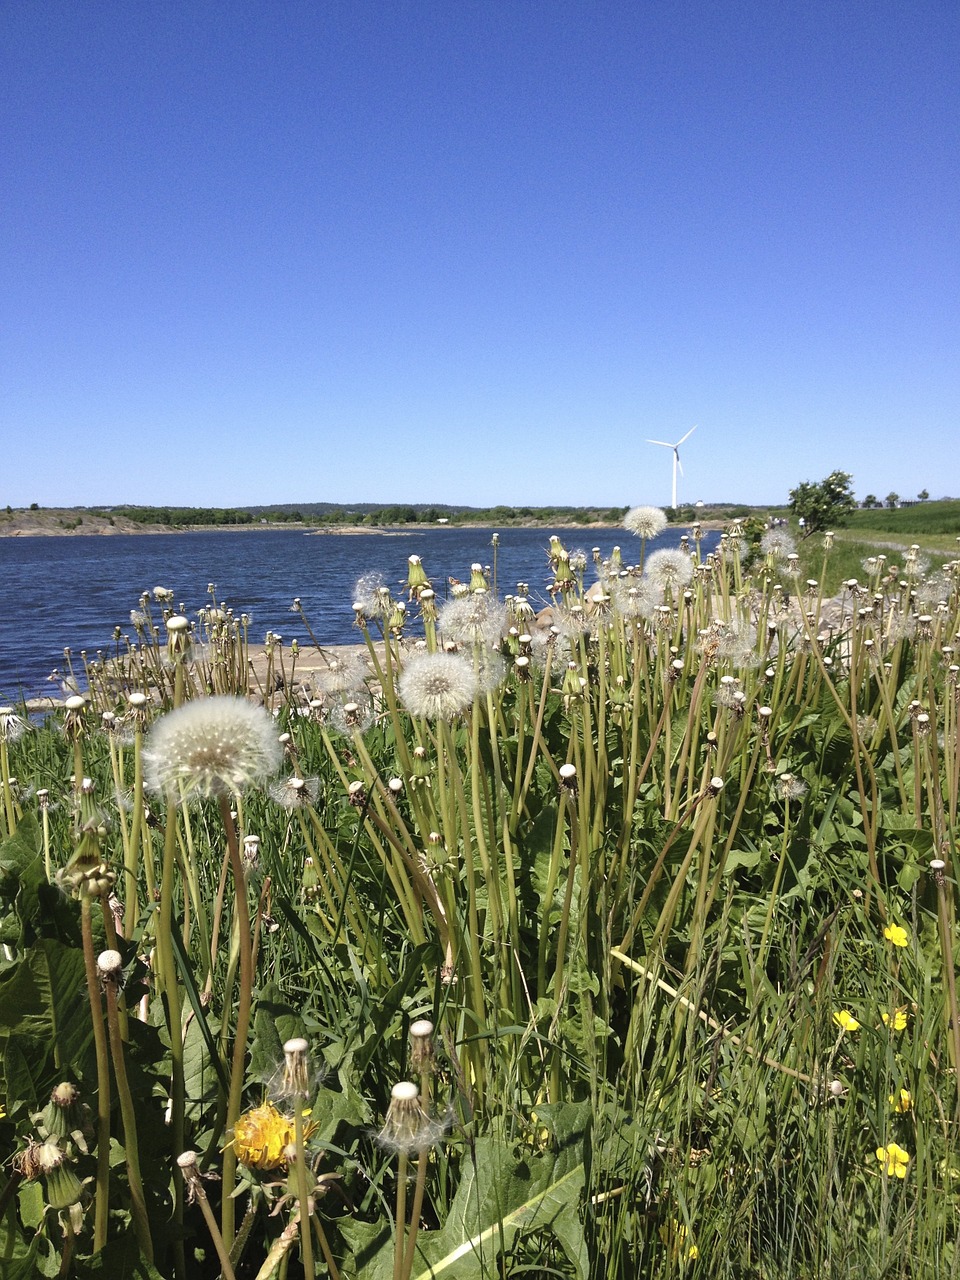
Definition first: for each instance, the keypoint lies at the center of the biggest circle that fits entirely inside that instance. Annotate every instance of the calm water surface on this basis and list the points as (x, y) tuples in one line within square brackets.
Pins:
[(73, 591)]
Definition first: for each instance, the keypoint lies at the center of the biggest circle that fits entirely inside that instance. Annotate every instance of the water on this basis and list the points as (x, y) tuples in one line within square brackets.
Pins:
[(73, 591)]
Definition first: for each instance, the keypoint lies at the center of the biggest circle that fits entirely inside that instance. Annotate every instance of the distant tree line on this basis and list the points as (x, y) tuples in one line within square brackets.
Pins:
[(403, 514)]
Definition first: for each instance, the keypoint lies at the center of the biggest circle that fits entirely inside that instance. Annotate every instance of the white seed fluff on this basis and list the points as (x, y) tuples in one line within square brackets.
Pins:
[(211, 747), (438, 686)]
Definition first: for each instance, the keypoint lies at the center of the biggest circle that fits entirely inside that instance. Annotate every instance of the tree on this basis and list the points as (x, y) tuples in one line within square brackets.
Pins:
[(923, 495), (893, 500), (823, 504), (871, 502)]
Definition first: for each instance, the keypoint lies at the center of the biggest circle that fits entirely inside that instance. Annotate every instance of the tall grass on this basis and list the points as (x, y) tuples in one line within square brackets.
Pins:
[(671, 874)]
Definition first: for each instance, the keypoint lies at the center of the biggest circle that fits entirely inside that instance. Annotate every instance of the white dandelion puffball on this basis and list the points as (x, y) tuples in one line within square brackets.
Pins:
[(211, 747), (777, 543), (438, 686), (645, 522), (669, 570)]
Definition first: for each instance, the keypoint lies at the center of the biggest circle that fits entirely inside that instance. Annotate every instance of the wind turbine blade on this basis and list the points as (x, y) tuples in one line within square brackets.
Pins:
[(688, 435), (663, 442), (679, 464)]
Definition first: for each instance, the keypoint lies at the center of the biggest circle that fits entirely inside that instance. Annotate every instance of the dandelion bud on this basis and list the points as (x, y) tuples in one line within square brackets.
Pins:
[(63, 1115), (62, 1184)]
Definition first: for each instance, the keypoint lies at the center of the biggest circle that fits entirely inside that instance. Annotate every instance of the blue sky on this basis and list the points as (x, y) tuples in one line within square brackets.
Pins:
[(477, 251)]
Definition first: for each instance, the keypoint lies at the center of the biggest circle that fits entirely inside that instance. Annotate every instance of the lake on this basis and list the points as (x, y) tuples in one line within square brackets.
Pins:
[(73, 591)]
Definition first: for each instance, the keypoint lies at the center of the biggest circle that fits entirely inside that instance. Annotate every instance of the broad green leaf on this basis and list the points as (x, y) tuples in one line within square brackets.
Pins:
[(43, 999)]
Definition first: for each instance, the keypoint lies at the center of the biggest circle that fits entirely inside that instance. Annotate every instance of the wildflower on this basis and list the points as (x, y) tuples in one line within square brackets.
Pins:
[(371, 596), (901, 1101), (846, 1021), (896, 934), (214, 746), (669, 570), (674, 1236), (778, 544), (790, 787), (898, 1020), (345, 672), (894, 1159), (438, 686), (407, 1127), (12, 726), (294, 792), (473, 619), (261, 1137), (645, 522)]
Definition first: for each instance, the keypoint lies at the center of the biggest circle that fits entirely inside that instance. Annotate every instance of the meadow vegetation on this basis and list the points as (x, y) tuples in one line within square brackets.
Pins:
[(614, 942)]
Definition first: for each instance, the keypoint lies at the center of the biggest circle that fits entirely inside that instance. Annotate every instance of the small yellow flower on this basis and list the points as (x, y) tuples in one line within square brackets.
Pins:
[(846, 1021), (894, 1159), (902, 1101), (261, 1137), (674, 1236), (898, 1021), (896, 934)]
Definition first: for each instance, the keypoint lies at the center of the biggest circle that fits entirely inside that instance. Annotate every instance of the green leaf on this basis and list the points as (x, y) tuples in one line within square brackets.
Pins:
[(43, 999), (503, 1190)]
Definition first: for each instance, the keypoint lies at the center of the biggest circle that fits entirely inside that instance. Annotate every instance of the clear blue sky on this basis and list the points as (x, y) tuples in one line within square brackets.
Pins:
[(451, 250)]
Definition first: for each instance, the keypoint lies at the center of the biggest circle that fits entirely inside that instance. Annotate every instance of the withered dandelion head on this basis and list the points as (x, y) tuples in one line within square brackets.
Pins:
[(407, 1128), (211, 747)]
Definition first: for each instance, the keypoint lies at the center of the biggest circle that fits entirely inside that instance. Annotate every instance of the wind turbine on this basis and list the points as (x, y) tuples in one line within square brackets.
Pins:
[(676, 459)]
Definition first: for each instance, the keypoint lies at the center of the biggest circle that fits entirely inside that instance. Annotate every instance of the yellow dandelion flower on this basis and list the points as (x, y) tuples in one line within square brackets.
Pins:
[(901, 1101), (261, 1137), (846, 1021), (896, 934), (894, 1159), (898, 1021)]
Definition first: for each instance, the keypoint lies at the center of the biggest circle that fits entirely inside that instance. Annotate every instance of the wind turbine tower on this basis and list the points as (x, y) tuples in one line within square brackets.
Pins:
[(676, 460)]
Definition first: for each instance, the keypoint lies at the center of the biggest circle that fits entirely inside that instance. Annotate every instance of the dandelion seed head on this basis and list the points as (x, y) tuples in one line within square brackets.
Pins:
[(645, 522), (438, 686), (211, 747), (778, 544), (344, 672), (473, 619), (790, 787), (669, 570)]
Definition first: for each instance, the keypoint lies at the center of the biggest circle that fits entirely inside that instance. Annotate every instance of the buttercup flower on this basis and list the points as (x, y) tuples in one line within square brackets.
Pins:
[(898, 1021), (894, 1159), (846, 1021), (438, 686), (211, 747), (901, 1101), (896, 934)]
